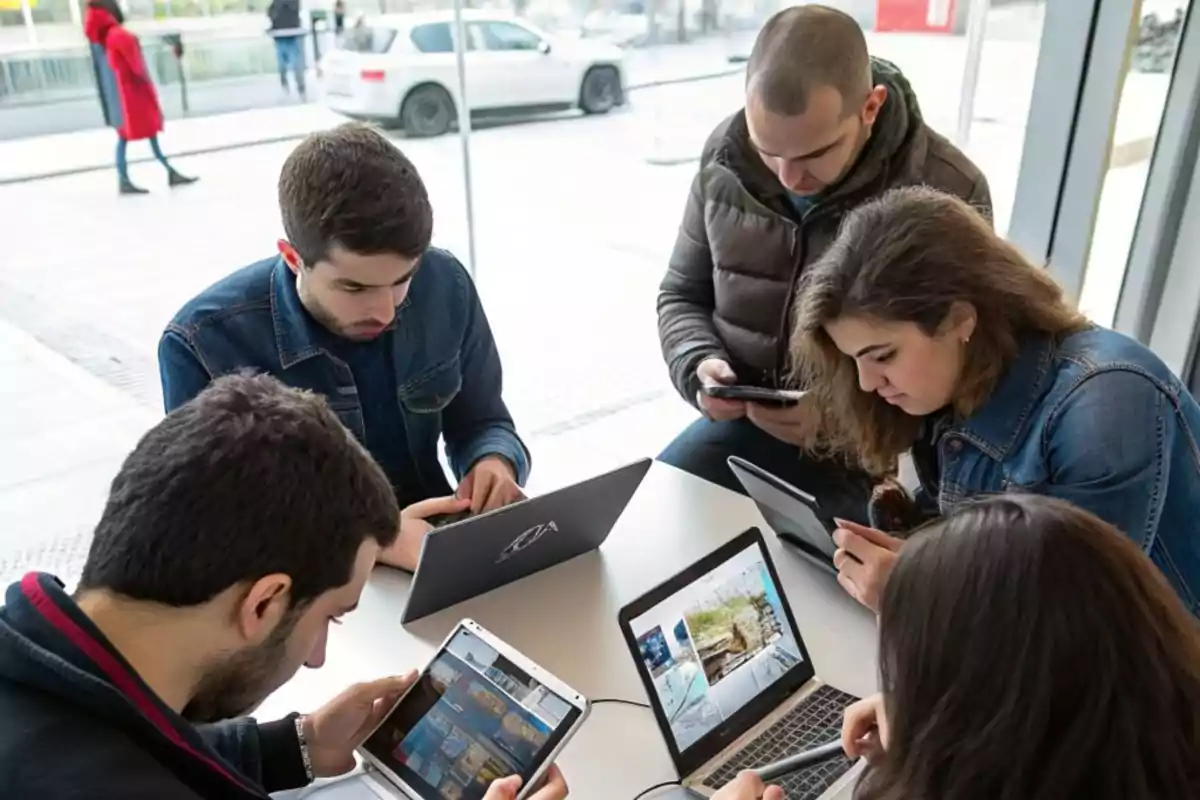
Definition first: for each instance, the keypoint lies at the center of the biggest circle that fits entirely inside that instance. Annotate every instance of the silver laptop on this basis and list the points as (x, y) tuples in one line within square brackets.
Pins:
[(467, 558), (795, 516), (729, 678)]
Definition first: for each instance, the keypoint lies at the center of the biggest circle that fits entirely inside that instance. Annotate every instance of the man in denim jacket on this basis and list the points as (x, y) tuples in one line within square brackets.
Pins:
[(359, 308)]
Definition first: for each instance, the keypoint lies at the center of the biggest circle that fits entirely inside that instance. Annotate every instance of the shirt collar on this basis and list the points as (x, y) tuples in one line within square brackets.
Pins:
[(295, 331), (998, 425)]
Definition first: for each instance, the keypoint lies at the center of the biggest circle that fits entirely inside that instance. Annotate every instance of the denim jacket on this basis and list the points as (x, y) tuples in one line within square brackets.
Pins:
[(1098, 420), (448, 373)]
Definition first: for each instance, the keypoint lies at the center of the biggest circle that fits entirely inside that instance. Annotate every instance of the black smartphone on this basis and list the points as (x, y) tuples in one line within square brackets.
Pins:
[(778, 398)]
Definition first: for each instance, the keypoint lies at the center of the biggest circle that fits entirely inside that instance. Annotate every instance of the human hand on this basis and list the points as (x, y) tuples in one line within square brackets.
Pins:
[(864, 728), (414, 527), (864, 560), (342, 724), (553, 788), (717, 372), (748, 786), (794, 424), (491, 484)]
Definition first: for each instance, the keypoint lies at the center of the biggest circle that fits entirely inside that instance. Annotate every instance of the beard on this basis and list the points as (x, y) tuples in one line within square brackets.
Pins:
[(236, 685)]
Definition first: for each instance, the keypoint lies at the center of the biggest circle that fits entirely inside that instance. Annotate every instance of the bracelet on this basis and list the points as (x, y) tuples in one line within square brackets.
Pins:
[(304, 756)]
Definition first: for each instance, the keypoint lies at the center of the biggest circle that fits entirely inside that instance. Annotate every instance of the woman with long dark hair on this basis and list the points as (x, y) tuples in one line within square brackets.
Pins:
[(140, 114), (922, 329), (1028, 651)]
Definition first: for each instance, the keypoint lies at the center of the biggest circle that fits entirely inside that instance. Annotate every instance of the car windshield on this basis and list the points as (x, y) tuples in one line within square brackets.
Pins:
[(368, 39)]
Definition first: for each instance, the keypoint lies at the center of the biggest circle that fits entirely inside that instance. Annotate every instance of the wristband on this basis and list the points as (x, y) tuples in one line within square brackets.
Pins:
[(304, 756)]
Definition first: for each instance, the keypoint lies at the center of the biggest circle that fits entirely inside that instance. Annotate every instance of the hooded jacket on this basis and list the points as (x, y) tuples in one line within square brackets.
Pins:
[(141, 116), (76, 721), (742, 246)]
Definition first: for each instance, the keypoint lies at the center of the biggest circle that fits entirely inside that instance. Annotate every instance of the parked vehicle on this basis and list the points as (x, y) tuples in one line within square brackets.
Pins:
[(401, 69)]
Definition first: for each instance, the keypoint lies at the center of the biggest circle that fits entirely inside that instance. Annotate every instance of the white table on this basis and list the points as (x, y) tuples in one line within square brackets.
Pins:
[(565, 618)]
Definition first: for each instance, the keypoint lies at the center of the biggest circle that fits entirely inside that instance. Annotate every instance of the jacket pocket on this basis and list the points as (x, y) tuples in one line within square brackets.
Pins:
[(432, 392), (349, 411)]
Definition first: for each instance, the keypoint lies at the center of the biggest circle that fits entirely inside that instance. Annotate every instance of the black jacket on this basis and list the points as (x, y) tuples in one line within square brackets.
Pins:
[(77, 722), (285, 16)]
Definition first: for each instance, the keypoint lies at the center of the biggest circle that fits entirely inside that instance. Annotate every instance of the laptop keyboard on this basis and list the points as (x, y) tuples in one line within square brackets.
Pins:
[(817, 720)]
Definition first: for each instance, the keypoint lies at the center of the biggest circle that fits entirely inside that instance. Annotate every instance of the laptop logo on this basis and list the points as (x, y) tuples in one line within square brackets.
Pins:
[(526, 540)]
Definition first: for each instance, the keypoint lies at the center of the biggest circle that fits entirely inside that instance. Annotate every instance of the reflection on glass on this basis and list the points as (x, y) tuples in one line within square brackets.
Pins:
[(1139, 115)]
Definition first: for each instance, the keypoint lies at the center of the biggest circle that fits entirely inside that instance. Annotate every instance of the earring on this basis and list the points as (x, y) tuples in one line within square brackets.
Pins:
[(966, 340)]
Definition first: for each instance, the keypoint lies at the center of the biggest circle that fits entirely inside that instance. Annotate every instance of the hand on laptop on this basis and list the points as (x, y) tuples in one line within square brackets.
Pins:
[(491, 484), (405, 551), (864, 728), (338, 727), (792, 424), (711, 372), (864, 560), (748, 786), (554, 787)]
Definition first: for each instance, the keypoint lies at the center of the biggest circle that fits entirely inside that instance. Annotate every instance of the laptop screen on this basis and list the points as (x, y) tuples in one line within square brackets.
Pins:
[(716, 641)]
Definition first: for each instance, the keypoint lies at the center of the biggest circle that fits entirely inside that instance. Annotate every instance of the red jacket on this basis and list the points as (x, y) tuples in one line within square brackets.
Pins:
[(142, 116)]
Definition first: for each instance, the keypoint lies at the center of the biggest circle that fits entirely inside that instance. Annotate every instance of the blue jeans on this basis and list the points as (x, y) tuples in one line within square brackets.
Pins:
[(123, 163), (289, 52), (703, 447)]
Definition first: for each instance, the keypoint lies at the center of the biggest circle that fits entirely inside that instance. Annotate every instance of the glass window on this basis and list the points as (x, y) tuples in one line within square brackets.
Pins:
[(509, 36), (367, 39), (433, 38), (1139, 114)]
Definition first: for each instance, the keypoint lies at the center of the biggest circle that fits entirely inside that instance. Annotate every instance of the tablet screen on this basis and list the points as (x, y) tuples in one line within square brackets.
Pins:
[(473, 717)]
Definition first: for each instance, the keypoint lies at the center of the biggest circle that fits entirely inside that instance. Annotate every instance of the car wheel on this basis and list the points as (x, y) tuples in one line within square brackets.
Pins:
[(601, 90), (427, 111)]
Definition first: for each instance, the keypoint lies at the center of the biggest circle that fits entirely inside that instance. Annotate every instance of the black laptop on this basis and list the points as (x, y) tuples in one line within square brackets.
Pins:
[(467, 558)]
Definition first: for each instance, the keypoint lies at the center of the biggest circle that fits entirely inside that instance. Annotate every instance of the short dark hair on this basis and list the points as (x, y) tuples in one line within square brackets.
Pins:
[(803, 48), (1029, 649), (248, 479), (350, 186)]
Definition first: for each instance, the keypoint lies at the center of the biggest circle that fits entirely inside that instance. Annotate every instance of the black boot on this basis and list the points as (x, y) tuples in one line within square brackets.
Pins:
[(175, 179), (128, 187)]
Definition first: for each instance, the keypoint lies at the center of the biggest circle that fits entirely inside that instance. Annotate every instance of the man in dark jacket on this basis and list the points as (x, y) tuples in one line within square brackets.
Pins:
[(824, 128), (239, 528)]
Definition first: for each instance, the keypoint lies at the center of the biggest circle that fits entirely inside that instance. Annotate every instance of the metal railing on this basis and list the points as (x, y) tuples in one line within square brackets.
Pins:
[(54, 76)]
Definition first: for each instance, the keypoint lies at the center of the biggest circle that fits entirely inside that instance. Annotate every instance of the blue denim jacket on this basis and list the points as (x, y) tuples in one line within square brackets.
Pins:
[(448, 373), (1098, 420)]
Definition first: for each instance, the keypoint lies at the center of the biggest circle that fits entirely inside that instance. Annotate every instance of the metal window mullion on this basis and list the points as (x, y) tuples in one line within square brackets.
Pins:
[(1066, 40), (1091, 146)]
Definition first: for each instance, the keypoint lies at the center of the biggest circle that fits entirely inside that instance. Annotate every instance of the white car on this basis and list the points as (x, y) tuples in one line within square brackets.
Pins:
[(401, 69)]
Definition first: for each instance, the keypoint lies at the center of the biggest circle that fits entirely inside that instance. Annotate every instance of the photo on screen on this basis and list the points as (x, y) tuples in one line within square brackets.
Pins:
[(473, 717), (715, 645)]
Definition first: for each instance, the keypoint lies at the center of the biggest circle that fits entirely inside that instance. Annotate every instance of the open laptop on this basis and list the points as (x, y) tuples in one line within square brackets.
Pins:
[(795, 516), (467, 558), (729, 678)]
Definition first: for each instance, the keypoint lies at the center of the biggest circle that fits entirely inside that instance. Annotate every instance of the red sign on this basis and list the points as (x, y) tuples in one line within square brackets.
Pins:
[(914, 16)]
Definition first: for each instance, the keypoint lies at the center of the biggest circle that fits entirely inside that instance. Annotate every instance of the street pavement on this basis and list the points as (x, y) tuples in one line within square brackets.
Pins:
[(575, 219)]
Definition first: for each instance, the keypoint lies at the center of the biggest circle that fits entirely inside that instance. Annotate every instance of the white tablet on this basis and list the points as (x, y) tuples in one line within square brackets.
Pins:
[(478, 712)]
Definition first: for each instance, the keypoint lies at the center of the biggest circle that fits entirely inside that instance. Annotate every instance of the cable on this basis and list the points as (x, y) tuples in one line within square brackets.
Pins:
[(655, 787), (619, 701)]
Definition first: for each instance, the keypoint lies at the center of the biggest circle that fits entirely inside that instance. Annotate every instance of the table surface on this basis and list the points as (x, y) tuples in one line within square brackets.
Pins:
[(565, 619)]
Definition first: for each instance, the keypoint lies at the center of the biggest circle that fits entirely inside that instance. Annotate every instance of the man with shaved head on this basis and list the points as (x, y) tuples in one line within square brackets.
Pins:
[(825, 127)]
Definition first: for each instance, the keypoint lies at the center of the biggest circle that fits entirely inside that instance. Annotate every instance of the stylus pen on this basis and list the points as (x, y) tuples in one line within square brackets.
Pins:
[(815, 755)]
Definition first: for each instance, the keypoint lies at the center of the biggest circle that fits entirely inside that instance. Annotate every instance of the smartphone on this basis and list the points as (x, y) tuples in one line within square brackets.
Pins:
[(778, 398)]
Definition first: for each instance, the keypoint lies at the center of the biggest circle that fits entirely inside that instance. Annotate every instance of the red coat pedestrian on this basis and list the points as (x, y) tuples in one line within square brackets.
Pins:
[(142, 116)]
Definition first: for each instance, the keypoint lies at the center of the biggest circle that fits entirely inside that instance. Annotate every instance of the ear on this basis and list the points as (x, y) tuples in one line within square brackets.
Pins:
[(263, 605), (961, 321), (874, 104), (290, 256)]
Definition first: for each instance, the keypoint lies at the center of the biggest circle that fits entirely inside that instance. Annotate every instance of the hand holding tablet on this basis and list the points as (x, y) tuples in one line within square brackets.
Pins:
[(480, 722)]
